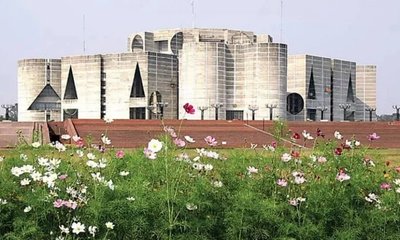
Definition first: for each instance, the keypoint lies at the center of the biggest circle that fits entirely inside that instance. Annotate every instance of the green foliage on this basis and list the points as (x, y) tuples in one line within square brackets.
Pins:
[(172, 198)]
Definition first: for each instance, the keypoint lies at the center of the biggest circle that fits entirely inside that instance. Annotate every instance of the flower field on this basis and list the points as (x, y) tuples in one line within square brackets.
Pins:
[(333, 190)]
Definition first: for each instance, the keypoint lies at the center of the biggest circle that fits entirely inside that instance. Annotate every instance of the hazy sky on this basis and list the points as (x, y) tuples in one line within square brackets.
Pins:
[(364, 31)]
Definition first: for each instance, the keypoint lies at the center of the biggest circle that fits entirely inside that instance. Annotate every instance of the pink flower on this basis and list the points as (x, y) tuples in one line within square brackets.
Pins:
[(70, 204), (58, 203), (373, 136), (179, 142), (62, 177), (338, 151), (120, 154), (342, 175), (210, 141), (170, 131), (281, 182), (149, 154), (295, 136), (385, 186), (189, 108)]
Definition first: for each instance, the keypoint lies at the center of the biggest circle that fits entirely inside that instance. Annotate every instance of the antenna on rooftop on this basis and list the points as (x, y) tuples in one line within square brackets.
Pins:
[(84, 37), (193, 15), (281, 19)]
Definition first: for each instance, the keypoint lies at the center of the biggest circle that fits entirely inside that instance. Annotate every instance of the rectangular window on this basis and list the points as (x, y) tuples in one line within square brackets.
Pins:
[(137, 113), (234, 114)]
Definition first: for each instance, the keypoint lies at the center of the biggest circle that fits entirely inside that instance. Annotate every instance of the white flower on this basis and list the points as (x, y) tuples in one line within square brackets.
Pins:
[(253, 146), (197, 158), (91, 156), (208, 167), (110, 225), (286, 157), (97, 176), (79, 153), (198, 166), (23, 157), (92, 230), (27, 168), (251, 170), (110, 185), (27, 209), (43, 161), (65, 137), (102, 163), (217, 184), (76, 138), (3, 201), (307, 135), (300, 199), (59, 146), (92, 164), (299, 180), (1, 158), (396, 181), (36, 176), (25, 182), (357, 143), (105, 140), (16, 171), (78, 227), (36, 144), (338, 135), (154, 145), (64, 229), (124, 173), (223, 142), (49, 178), (342, 177), (131, 199), (189, 139), (322, 159), (108, 119), (191, 206)]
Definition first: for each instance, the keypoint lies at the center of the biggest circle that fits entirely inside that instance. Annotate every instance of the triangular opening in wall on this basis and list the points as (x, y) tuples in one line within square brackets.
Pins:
[(47, 99), (311, 86), (350, 93), (70, 90), (137, 86)]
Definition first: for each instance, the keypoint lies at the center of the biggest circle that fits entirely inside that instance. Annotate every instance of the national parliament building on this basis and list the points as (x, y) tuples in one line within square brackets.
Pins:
[(226, 74)]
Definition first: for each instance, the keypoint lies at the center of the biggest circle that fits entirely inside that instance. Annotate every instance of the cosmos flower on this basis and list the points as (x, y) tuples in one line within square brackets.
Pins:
[(189, 108), (78, 227), (154, 145), (373, 137), (337, 135), (119, 154), (281, 182), (179, 142), (210, 141), (189, 139), (251, 170), (109, 225), (36, 144)]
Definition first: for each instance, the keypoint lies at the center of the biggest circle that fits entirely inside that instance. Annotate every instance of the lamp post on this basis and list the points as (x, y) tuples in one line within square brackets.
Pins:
[(150, 108), (322, 109), (202, 109), (344, 107), (216, 106), (7, 107), (370, 110), (253, 109), (162, 105), (397, 108), (271, 109)]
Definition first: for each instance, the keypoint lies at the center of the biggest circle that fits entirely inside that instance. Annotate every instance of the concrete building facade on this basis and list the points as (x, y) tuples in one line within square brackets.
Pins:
[(321, 88), (225, 74), (366, 92)]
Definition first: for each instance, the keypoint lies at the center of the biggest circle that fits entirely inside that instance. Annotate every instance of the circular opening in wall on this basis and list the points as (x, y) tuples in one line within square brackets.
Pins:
[(295, 103)]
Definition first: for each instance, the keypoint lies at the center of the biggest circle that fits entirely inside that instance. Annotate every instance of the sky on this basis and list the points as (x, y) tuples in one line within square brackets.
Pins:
[(364, 31)]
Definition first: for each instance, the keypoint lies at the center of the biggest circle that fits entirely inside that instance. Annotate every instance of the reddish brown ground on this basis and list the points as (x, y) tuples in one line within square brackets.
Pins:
[(236, 134)]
